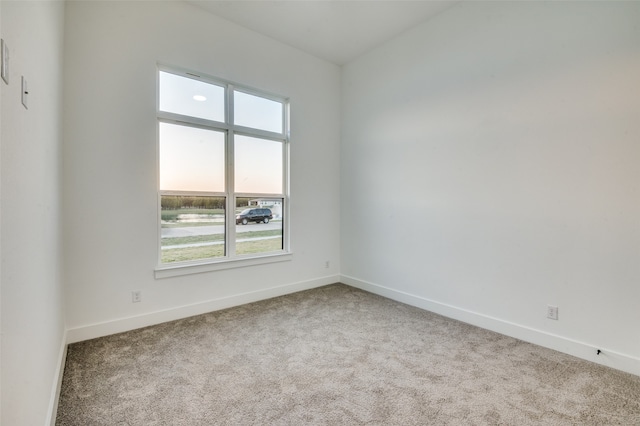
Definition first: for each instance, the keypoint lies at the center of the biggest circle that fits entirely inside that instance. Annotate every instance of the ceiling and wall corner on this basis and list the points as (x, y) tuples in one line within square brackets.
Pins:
[(336, 31)]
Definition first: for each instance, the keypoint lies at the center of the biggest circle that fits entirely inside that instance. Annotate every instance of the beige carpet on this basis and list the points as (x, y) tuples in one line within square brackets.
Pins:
[(334, 356)]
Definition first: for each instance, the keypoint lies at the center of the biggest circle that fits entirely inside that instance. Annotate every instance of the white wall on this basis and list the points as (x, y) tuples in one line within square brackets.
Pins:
[(490, 168), (32, 297), (1, 92), (110, 188)]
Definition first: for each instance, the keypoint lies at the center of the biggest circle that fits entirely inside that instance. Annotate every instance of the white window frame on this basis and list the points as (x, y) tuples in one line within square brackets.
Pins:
[(230, 259)]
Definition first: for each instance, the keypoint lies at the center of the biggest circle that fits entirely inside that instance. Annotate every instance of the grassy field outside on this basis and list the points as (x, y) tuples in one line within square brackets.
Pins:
[(177, 212), (173, 241), (192, 253), (217, 250), (259, 246), (269, 241)]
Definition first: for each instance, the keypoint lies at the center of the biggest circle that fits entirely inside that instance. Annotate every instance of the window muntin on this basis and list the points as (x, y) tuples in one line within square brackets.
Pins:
[(238, 163)]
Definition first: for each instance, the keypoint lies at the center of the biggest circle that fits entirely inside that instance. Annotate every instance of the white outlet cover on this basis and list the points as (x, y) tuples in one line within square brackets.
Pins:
[(4, 67)]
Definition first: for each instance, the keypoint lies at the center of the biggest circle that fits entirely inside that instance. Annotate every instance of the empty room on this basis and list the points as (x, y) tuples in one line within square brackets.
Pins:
[(320, 212)]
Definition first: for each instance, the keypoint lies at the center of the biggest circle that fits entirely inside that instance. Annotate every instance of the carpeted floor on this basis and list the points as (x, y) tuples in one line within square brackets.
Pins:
[(334, 356)]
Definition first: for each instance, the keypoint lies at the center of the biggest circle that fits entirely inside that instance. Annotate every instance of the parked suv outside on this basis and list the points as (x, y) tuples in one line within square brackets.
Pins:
[(254, 215)]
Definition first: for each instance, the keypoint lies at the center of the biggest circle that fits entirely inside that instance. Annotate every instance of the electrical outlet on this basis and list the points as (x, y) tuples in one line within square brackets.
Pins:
[(136, 296), (552, 312), (326, 264)]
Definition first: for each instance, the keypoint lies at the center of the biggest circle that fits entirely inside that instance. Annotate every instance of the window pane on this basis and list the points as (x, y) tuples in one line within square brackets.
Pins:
[(186, 96), (191, 159), (258, 165), (259, 113), (192, 228), (259, 225)]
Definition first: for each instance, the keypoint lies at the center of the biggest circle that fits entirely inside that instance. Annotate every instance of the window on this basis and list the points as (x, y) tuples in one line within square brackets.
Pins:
[(223, 168)]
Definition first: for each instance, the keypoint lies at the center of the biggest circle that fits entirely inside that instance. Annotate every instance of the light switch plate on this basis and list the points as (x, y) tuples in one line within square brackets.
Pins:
[(4, 67), (25, 92)]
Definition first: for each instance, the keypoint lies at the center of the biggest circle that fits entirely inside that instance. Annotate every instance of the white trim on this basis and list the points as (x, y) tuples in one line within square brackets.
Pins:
[(259, 133), (218, 81), (152, 318), (230, 177), (566, 345), (52, 412), (168, 270), (188, 121)]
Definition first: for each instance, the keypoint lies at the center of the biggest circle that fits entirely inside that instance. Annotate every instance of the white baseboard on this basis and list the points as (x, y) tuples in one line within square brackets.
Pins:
[(57, 382), (578, 349), (125, 324)]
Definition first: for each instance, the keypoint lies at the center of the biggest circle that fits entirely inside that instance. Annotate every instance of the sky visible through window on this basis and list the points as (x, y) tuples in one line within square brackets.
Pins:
[(191, 97), (193, 159)]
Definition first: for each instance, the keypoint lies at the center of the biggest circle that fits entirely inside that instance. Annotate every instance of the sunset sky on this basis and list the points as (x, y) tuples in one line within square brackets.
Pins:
[(193, 159)]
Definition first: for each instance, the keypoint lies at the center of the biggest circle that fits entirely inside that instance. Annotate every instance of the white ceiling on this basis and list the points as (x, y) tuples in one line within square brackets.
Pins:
[(335, 30)]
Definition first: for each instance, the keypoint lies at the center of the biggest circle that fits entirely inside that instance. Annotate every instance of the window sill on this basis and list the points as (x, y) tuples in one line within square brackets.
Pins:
[(167, 271)]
